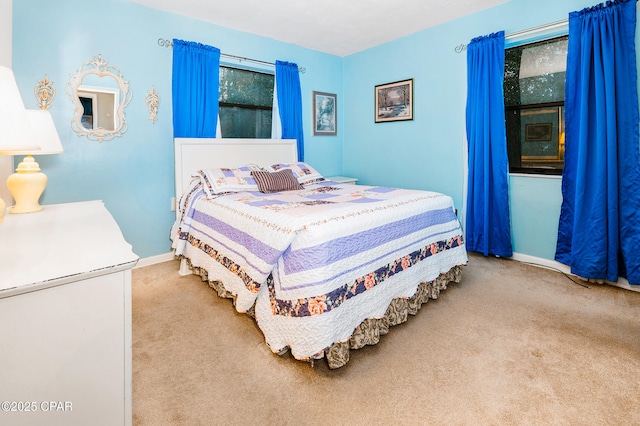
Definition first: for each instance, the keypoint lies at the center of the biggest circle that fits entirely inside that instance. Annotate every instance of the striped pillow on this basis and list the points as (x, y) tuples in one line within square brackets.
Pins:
[(302, 171), (282, 180)]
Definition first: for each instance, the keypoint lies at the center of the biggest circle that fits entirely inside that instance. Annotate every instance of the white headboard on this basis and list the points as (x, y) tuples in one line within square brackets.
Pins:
[(192, 154)]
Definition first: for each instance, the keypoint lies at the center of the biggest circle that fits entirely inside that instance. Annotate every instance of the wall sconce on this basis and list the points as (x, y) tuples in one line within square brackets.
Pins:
[(45, 92), (153, 101)]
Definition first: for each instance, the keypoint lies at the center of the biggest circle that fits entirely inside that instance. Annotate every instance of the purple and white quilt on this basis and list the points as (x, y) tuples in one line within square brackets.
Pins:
[(317, 262)]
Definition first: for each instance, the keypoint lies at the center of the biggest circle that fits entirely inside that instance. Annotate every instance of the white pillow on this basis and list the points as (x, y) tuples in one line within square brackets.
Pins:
[(224, 180)]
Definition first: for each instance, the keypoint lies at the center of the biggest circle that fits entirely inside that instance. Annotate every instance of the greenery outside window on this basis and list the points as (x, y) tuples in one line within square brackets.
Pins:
[(534, 82), (246, 103)]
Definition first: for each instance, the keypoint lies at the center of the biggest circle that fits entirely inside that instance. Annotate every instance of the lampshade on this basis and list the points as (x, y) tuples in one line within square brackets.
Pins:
[(46, 136), (16, 135)]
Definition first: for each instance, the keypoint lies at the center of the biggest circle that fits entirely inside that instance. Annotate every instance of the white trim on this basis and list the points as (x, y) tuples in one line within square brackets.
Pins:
[(6, 162), (535, 176), (541, 262), (6, 22), (154, 260), (523, 258), (561, 267)]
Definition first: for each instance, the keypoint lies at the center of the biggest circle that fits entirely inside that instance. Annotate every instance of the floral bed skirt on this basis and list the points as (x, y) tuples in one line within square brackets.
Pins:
[(370, 330)]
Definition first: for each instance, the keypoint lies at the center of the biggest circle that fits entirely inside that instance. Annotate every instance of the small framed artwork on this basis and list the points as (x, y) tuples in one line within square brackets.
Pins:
[(325, 119), (538, 132), (542, 135), (394, 101)]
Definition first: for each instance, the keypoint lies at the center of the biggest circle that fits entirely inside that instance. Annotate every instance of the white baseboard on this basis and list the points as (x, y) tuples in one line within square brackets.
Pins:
[(524, 258), (544, 263), (148, 261), (561, 267)]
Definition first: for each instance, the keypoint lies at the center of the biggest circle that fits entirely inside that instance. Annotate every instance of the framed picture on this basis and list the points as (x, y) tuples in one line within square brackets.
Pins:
[(539, 132), (325, 119), (394, 101)]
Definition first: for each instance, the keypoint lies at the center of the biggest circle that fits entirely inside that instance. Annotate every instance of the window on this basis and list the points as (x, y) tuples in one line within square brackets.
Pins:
[(246, 103), (534, 80)]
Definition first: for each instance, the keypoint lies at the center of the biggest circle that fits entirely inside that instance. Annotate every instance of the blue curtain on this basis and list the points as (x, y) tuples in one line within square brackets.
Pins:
[(195, 87), (290, 103), (599, 228), (488, 228)]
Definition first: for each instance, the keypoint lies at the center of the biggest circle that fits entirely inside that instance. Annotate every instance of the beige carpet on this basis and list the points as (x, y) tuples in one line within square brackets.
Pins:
[(511, 344)]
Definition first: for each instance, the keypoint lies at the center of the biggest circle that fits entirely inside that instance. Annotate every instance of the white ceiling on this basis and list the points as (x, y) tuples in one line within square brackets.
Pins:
[(339, 27)]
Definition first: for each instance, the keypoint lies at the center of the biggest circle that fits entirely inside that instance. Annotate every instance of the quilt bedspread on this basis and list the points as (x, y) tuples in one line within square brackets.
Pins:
[(318, 261)]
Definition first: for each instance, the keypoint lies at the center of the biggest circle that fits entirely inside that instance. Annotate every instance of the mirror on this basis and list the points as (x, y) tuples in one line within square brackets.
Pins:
[(100, 95)]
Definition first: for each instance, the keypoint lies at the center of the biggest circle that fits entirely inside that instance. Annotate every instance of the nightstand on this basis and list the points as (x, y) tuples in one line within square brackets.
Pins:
[(343, 179)]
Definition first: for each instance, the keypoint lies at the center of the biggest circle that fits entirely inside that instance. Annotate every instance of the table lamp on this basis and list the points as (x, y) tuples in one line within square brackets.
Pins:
[(24, 132), (15, 131), (28, 183)]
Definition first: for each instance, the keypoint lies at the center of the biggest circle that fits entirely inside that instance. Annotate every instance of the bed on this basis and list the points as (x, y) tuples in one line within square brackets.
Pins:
[(323, 267)]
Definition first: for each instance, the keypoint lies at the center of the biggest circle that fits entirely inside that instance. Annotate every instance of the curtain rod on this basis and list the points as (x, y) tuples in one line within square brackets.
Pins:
[(462, 47), (169, 43)]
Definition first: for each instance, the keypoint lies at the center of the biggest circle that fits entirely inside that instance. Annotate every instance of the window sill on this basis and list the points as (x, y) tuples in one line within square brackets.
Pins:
[(535, 175)]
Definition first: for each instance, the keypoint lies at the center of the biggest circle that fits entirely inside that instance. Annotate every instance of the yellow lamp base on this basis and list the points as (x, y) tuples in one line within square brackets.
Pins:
[(26, 186), (3, 209)]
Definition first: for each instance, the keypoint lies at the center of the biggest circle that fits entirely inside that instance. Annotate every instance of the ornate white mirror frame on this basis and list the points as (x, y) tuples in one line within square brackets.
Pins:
[(99, 67)]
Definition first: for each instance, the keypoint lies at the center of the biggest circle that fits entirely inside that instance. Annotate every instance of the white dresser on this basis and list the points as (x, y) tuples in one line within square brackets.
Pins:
[(65, 317)]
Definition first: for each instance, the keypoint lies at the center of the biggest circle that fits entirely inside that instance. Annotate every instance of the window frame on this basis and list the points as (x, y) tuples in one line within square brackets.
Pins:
[(533, 171), (245, 106)]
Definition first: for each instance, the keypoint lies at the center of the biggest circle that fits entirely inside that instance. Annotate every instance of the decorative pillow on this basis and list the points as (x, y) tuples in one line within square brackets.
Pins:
[(222, 180), (282, 180), (304, 173)]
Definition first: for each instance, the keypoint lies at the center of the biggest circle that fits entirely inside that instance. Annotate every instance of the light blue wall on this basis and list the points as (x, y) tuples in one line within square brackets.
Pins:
[(133, 174), (535, 209), (430, 152)]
